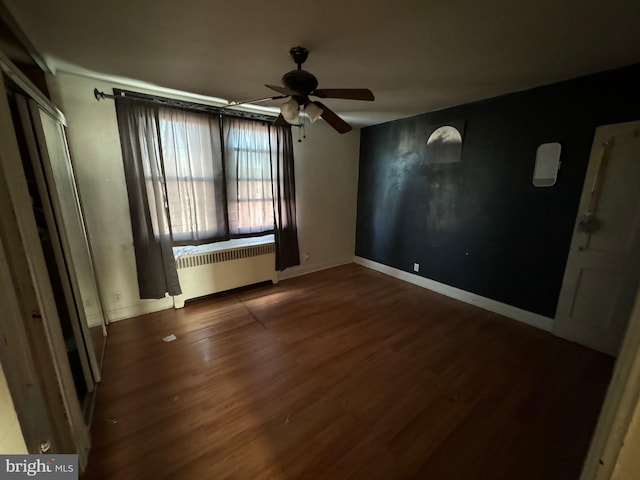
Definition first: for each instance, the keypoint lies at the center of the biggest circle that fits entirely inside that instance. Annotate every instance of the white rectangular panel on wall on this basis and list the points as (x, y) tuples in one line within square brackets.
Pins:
[(547, 164)]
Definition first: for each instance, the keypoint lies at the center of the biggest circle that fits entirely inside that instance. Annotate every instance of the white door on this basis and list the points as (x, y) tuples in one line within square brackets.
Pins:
[(603, 268)]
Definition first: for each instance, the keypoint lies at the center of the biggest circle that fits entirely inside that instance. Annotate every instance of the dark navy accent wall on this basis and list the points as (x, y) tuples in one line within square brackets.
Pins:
[(480, 225)]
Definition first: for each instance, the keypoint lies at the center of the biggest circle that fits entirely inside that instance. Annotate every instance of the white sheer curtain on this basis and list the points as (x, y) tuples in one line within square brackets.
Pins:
[(247, 152), (193, 170)]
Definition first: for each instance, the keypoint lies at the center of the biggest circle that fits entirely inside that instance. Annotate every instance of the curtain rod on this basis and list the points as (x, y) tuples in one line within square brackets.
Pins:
[(183, 104)]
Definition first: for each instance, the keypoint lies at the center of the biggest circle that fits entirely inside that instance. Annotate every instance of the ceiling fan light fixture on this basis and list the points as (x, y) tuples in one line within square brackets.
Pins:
[(313, 111), (290, 111), (300, 84)]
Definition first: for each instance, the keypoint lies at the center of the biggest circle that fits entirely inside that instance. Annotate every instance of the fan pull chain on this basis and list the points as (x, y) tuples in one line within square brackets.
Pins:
[(300, 122), (302, 131)]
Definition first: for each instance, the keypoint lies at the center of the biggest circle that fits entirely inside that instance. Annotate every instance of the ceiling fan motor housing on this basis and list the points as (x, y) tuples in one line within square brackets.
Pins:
[(300, 81)]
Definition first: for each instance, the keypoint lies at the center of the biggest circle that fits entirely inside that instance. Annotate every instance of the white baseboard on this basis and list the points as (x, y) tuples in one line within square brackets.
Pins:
[(150, 306), (142, 308), (524, 316), (304, 269)]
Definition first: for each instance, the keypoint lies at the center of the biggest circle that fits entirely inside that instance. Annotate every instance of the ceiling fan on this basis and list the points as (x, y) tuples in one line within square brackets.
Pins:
[(300, 84)]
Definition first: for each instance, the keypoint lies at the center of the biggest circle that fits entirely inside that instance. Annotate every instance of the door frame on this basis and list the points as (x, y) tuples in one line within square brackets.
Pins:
[(621, 402)]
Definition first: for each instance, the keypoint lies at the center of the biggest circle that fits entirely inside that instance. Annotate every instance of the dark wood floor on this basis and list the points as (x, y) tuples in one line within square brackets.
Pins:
[(344, 373)]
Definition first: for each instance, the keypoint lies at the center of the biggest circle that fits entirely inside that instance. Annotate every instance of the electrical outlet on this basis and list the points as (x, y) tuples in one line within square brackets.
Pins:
[(117, 295), (416, 267), (306, 257)]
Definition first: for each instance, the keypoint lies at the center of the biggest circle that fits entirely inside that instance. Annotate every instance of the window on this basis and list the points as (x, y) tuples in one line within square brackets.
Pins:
[(196, 175), (248, 174), (217, 188), (190, 145)]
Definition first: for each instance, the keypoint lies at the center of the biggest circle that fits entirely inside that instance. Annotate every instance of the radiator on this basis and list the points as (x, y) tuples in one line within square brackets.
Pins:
[(202, 274)]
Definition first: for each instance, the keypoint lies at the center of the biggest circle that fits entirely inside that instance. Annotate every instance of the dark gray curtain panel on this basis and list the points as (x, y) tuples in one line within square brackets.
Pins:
[(139, 127), (284, 204)]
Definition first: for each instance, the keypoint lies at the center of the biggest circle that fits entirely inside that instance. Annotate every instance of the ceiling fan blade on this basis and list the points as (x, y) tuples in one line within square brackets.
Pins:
[(333, 119), (345, 93), (280, 121), (283, 90)]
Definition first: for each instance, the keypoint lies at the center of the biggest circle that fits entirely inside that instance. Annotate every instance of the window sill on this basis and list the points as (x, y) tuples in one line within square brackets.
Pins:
[(226, 245)]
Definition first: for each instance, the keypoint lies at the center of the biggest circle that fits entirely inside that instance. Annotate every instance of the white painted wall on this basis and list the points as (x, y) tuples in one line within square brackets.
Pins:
[(326, 193), (95, 149), (326, 185), (11, 439)]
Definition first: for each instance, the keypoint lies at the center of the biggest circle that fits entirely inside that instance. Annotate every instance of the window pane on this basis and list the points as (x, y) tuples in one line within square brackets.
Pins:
[(193, 172), (248, 169)]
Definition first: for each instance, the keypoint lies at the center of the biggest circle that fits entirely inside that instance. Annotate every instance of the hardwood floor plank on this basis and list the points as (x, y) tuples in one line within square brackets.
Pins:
[(344, 373)]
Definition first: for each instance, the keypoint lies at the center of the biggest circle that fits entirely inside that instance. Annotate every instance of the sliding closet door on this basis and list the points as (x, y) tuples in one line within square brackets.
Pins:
[(51, 243), (22, 372), (34, 341), (60, 179)]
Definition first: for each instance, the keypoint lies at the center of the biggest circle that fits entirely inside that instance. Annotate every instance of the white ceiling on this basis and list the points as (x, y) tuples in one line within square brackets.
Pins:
[(416, 56)]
